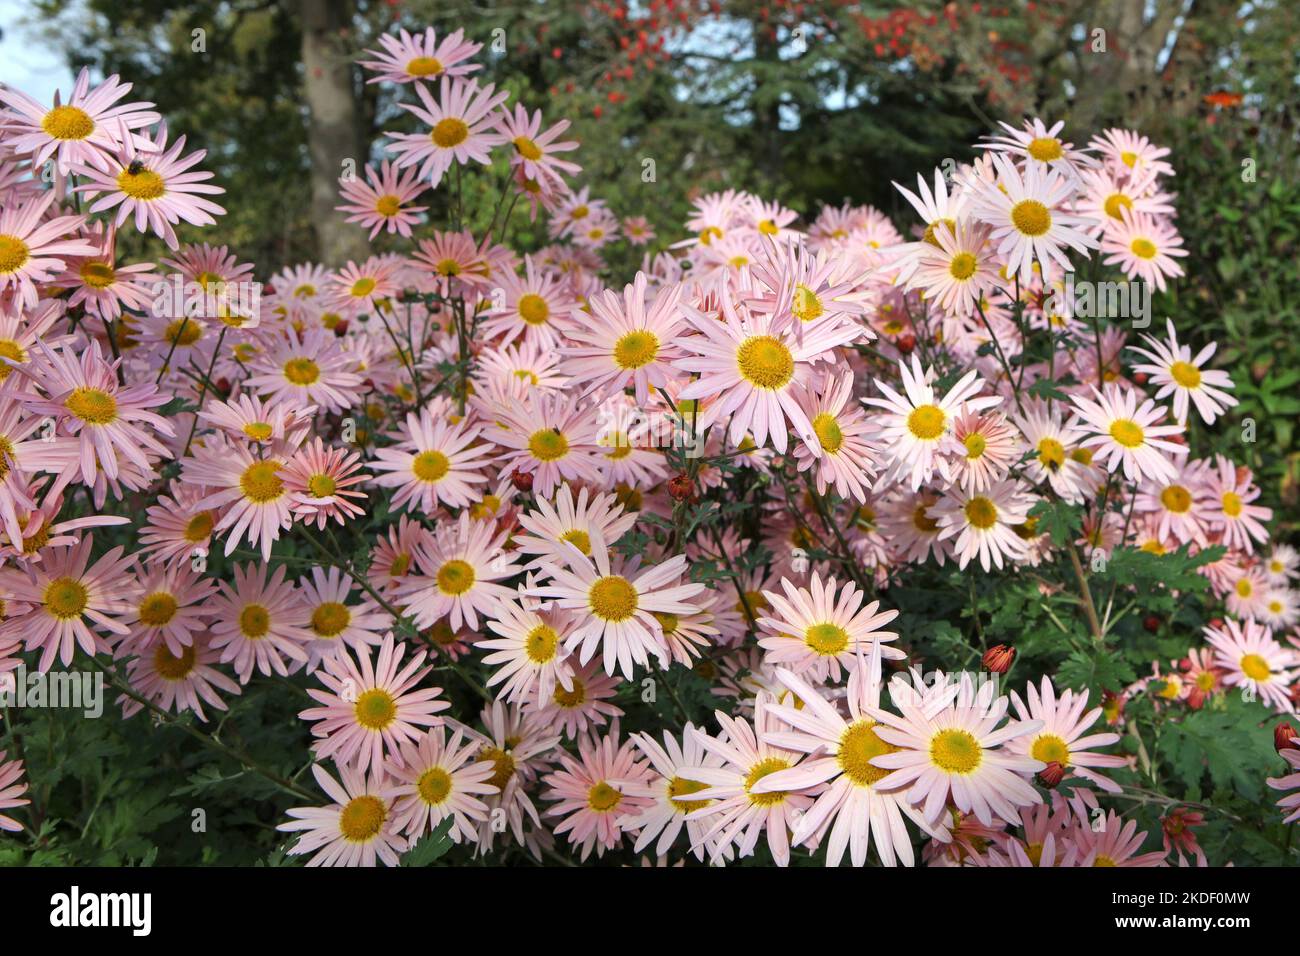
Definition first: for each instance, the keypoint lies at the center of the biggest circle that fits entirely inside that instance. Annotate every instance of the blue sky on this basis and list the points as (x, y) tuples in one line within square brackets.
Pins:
[(27, 61)]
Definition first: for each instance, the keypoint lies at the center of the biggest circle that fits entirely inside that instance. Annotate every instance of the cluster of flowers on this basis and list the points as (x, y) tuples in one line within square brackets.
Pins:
[(872, 397)]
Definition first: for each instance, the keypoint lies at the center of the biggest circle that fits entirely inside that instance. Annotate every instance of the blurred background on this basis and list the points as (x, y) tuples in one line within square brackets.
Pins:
[(805, 102)]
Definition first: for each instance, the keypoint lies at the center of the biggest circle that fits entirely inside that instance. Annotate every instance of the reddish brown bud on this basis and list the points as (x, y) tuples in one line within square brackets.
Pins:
[(906, 343), (341, 328), (998, 659), (1052, 774), (1283, 735), (1196, 698), (522, 480), (1151, 623), (681, 487)]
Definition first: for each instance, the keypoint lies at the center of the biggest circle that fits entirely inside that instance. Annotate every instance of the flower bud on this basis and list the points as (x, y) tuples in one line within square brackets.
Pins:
[(998, 659), (522, 480), (1052, 774), (1283, 734), (681, 487)]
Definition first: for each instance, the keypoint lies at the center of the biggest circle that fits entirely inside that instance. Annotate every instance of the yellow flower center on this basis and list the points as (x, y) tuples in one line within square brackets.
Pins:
[(927, 422), (362, 819), (1051, 453), (765, 362), (826, 639), (922, 521), (603, 798), (756, 773), (65, 598), (261, 482), (424, 66), (1244, 588), (807, 306), (828, 432), (932, 227), (527, 148), (1045, 149), (92, 406), (975, 445), (533, 308), (1177, 499), (1116, 203), (144, 184), (768, 228), (301, 371), (170, 667), (858, 744), (13, 254), (254, 621), (540, 644), (1031, 218), (981, 512), (502, 761), (456, 577), (612, 598), (1185, 374), (1128, 159), (98, 275), (1255, 667), (573, 697), (8, 347), (388, 206), (68, 122), (199, 528), (375, 709), (330, 619), (1049, 748), (183, 332), (1231, 504), (157, 609), (963, 266), (955, 751), (681, 787), (450, 132), (636, 349), (1127, 433), (548, 444), (434, 786), (430, 466), (579, 539), (1143, 248)]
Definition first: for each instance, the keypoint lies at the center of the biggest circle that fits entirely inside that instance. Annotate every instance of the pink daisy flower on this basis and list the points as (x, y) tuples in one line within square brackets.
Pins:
[(1144, 247), (1122, 433), (814, 631), (178, 680), (669, 814), (438, 778), (169, 606), (1178, 373), (368, 711), (627, 343), (311, 369), (460, 120), (585, 704), (756, 365), (33, 248), (154, 185), (535, 151), (735, 812), (433, 462), (260, 622), (984, 523), (66, 596), (532, 304), (1290, 804), (322, 478), (382, 201), (1061, 735), (82, 130), (597, 790), (1250, 659), (357, 829), (334, 622), (12, 788), (616, 605), (250, 493), (415, 58), (850, 806), (1229, 492), (458, 575), (529, 656), (552, 438), (950, 748)]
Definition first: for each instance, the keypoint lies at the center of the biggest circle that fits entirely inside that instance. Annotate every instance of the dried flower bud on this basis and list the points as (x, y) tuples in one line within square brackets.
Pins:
[(1052, 774), (522, 480)]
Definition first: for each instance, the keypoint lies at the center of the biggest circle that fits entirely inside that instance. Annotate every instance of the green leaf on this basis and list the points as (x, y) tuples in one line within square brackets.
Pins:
[(431, 847)]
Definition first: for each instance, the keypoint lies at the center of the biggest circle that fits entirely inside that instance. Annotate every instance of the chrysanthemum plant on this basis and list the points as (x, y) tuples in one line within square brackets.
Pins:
[(815, 542)]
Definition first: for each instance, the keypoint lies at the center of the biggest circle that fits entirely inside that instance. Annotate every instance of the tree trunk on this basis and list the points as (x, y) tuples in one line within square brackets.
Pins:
[(334, 133)]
